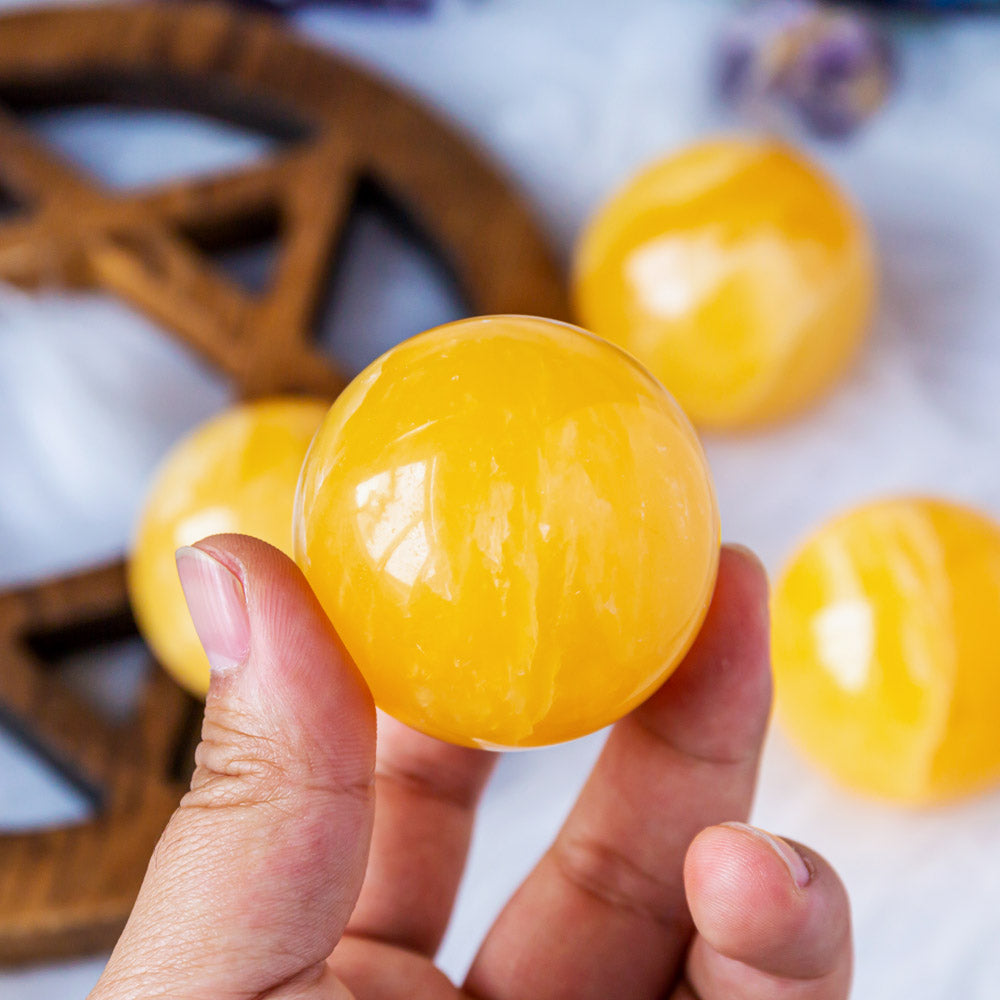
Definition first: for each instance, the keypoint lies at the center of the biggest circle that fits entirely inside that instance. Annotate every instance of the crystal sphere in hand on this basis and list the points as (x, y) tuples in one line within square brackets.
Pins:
[(736, 272), (512, 527), (237, 472), (886, 652)]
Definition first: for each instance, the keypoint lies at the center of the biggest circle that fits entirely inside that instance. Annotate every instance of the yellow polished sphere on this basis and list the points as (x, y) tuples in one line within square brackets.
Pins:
[(886, 646), (736, 272), (513, 529), (236, 472)]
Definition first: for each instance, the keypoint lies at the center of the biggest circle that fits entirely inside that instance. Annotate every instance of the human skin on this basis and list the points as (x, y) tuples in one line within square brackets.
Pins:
[(280, 877)]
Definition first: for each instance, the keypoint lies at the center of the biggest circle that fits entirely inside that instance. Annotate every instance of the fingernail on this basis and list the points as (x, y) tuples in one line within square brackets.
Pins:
[(800, 871), (745, 551), (218, 607)]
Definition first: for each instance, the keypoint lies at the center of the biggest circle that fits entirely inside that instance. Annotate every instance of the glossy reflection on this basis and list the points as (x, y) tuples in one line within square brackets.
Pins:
[(237, 472), (736, 272), (886, 653), (513, 529)]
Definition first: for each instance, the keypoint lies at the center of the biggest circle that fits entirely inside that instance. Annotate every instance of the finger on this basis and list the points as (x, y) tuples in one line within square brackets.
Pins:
[(773, 919), (685, 759), (375, 970), (266, 853), (426, 792)]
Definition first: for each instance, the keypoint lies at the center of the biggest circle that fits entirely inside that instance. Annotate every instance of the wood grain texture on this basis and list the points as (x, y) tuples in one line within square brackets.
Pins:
[(69, 891)]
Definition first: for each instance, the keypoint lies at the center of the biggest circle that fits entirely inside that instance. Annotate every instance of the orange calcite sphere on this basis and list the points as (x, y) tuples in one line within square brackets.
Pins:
[(886, 659), (736, 272), (237, 472), (513, 529)]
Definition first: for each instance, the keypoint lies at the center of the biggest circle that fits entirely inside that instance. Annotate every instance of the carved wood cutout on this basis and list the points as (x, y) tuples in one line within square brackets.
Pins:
[(69, 890)]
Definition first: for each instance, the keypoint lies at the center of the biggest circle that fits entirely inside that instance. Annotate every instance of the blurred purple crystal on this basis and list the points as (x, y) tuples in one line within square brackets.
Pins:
[(941, 6), (831, 67)]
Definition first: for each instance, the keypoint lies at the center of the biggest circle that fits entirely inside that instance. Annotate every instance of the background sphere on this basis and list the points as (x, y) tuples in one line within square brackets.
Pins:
[(736, 272), (513, 529), (235, 473), (886, 661)]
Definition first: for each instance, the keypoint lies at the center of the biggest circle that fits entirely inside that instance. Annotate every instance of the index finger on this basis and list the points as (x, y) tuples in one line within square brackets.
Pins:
[(426, 793)]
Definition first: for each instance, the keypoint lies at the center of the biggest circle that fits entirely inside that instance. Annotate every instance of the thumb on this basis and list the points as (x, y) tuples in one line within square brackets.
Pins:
[(257, 872)]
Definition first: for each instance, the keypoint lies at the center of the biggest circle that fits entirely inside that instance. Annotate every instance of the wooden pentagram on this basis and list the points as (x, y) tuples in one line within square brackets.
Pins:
[(69, 890)]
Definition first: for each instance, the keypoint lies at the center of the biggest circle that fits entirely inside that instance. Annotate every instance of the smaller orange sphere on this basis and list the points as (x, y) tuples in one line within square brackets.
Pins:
[(736, 272), (235, 473), (885, 648)]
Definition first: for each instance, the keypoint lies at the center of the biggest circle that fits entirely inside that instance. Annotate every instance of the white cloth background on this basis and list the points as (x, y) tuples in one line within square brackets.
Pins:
[(571, 97)]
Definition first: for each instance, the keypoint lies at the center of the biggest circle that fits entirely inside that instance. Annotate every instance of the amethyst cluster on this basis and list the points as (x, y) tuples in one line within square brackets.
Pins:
[(938, 5), (830, 67)]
